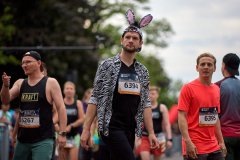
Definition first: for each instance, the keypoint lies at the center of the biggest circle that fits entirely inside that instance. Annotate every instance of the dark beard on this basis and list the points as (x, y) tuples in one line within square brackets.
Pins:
[(129, 50)]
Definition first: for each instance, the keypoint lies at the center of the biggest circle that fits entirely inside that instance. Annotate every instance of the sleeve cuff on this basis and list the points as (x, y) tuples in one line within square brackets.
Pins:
[(147, 105), (93, 100)]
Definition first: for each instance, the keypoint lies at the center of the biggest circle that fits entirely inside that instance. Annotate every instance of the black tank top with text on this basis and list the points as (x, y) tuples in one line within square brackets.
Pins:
[(72, 116), (35, 114), (157, 121)]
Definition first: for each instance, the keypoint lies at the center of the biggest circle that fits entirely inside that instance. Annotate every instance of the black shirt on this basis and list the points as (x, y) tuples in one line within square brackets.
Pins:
[(35, 114), (72, 116), (157, 121), (125, 105)]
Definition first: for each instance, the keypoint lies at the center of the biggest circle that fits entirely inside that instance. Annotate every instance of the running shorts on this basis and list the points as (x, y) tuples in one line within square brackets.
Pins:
[(145, 146), (40, 150)]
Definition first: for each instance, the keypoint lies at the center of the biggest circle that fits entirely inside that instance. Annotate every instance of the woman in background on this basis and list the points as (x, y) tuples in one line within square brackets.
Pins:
[(75, 118)]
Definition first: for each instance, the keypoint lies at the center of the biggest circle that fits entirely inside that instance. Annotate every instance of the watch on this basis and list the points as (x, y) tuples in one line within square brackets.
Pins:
[(169, 140), (62, 133), (71, 125)]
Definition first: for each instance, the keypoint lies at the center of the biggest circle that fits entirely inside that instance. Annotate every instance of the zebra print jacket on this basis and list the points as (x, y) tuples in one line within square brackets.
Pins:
[(104, 85)]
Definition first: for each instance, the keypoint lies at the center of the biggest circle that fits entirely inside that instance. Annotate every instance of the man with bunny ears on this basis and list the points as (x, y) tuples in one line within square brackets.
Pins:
[(120, 97)]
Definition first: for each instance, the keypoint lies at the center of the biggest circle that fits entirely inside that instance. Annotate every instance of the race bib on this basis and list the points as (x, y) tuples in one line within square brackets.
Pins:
[(155, 115), (70, 142), (161, 138), (208, 116), (128, 84), (29, 119), (71, 111)]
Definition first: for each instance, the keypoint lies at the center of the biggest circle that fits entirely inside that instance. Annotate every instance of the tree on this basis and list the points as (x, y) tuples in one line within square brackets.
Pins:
[(6, 32), (56, 23), (156, 33), (76, 23), (169, 88), (175, 89)]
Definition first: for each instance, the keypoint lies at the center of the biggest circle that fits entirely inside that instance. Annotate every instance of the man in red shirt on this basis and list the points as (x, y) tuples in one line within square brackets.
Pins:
[(198, 108)]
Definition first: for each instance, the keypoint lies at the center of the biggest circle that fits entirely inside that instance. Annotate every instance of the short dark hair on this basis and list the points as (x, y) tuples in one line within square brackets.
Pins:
[(133, 28)]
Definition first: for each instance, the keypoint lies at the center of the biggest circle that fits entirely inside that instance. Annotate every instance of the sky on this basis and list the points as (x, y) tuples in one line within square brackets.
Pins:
[(200, 26)]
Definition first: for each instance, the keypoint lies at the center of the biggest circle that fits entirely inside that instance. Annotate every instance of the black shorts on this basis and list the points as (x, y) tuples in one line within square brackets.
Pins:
[(103, 152), (233, 147), (120, 144), (217, 155)]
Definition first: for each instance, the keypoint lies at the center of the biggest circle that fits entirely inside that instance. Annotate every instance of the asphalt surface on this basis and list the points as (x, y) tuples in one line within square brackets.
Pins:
[(174, 157)]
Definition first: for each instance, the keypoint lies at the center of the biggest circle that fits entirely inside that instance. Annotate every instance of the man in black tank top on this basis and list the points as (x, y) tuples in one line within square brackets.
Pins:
[(34, 127), (159, 116)]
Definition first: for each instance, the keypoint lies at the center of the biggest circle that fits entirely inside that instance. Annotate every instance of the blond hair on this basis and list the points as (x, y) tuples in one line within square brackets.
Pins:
[(206, 55), (154, 88), (71, 83)]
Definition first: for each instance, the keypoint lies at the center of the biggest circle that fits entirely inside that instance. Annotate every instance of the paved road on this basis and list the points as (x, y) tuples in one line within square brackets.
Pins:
[(175, 157)]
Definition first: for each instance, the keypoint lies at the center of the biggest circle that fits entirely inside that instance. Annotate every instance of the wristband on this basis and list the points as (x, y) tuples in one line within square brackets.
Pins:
[(62, 133), (71, 125), (169, 140)]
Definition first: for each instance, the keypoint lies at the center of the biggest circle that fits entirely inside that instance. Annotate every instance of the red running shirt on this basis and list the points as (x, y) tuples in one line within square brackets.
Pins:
[(202, 103)]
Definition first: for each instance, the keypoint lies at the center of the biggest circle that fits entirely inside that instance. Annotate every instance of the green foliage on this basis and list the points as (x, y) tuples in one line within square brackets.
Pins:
[(58, 23), (169, 89), (170, 96), (6, 29), (8, 59), (6, 32), (156, 33), (76, 23), (157, 75)]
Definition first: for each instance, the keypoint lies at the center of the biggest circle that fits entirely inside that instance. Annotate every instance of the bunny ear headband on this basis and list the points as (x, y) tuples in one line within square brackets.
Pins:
[(131, 19)]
